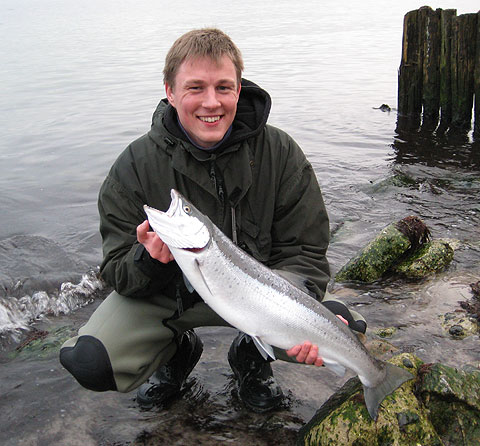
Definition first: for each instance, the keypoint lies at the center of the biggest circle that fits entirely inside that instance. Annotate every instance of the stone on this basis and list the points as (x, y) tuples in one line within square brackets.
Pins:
[(440, 407)]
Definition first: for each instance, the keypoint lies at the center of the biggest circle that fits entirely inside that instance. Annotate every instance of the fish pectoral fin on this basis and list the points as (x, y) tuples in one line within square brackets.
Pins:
[(335, 367), (197, 264), (265, 349)]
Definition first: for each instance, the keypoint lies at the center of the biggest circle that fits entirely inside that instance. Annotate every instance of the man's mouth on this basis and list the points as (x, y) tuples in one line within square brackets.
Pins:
[(209, 118)]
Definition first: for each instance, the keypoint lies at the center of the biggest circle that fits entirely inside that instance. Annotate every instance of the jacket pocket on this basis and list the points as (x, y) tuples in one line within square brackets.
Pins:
[(253, 240)]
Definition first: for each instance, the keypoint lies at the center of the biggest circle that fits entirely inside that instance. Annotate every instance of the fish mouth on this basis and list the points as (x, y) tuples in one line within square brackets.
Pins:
[(174, 203)]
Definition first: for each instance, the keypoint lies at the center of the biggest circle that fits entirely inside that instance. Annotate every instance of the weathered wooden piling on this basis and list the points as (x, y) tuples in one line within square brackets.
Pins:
[(446, 18), (431, 66), (476, 82), (462, 67), (439, 73)]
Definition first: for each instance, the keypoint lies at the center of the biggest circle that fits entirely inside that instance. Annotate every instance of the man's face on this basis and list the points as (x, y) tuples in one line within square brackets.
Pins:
[(205, 96)]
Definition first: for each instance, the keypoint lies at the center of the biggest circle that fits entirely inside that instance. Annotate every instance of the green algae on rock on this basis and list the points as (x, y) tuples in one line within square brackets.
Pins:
[(430, 258), (43, 344), (385, 250), (441, 407), (386, 332), (452, 398), (343, 419), (458, 324)]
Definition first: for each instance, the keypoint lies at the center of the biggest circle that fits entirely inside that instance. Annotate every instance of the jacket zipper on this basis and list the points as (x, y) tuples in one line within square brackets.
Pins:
[(218, 185)]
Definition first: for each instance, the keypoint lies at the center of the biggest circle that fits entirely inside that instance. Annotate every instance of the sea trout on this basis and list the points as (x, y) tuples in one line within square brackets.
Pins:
[(264, 304)]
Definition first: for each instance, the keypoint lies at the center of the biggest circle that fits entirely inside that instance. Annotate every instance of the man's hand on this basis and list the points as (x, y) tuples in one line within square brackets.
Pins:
[(308, 352), (153, 243)]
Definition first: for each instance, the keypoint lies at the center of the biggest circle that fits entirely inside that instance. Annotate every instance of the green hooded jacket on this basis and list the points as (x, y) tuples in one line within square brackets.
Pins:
[(257, 184)]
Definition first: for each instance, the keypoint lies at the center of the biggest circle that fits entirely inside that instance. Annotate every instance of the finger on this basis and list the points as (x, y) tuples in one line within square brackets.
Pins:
[(318, 362), (342, 319), (312, 355), (294, 351), (142, 230), (165, 254), (304, 352)]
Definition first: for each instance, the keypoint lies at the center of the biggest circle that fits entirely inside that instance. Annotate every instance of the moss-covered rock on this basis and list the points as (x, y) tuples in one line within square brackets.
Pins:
[(452, 398), (42, 344), (430, 258), (344, 420), (386, 332), (376, 258), (419, 412), (458, 324), (384, 251)]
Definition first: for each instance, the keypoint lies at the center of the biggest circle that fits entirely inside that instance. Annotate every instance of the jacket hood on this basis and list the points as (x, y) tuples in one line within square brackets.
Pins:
[(253, 109)]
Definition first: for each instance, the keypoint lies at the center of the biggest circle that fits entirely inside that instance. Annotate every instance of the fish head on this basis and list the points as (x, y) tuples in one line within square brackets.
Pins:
[(182, 226)]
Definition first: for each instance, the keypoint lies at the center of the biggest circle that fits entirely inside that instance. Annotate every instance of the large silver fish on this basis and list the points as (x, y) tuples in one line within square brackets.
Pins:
[(262, 303)]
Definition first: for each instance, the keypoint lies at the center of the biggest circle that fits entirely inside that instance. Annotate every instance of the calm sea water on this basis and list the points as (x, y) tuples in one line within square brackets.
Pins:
[(80, 80)]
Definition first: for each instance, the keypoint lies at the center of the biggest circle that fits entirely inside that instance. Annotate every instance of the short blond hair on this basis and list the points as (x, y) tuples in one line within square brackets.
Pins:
[(205, 42)]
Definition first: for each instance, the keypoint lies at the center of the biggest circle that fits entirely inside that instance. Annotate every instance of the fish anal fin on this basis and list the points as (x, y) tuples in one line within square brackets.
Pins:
[(266, 350), (335, 367)]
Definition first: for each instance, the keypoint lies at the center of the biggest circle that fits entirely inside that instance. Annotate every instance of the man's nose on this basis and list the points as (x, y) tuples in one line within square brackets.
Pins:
[(210, 99)]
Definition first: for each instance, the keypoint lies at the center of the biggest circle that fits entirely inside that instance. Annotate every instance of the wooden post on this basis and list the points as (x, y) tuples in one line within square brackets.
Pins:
[(446, 18), (462, 68), (431, 68), (410, 73), (476, 126)]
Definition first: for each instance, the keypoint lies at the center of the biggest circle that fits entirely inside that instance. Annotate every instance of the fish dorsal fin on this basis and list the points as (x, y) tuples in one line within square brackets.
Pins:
[(265, 349), (296, 280)]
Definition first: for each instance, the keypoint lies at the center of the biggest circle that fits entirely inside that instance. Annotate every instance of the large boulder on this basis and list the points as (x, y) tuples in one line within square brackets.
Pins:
[(439, 408)]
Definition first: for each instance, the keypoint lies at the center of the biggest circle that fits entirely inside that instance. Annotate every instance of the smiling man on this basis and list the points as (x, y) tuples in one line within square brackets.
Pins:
[(210, 140), (205, 96)]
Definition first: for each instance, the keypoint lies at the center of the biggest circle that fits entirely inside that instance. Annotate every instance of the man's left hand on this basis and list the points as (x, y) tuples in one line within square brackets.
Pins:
[(308, 352)]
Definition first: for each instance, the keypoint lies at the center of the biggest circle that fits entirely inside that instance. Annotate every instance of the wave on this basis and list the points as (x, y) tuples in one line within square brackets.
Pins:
[(17, 314)]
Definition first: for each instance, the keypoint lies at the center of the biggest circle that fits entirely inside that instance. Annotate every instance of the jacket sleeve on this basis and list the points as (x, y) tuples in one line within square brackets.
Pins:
[(127, 266), (300, 231)]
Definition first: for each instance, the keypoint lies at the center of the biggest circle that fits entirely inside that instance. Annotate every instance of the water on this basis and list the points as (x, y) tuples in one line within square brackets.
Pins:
[(80, 81)]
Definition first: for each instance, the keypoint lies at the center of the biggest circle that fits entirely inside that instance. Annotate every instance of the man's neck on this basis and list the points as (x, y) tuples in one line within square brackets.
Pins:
[(206, 149)]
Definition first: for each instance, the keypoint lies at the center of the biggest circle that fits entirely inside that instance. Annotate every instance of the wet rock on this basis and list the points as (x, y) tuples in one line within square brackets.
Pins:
[(42, 344), (452, 398), (344, 420), (386, 332), (430, 258), (384, 108), (407, 362), (456, 330), (476, 289), (440, 407), (459, 324), (385, 251)]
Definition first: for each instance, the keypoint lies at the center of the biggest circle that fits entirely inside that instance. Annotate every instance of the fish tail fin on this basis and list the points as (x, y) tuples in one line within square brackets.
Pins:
[(394, 377)]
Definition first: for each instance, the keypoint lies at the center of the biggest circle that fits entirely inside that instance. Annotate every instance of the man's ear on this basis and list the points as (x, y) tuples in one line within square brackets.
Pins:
[(170, 95)]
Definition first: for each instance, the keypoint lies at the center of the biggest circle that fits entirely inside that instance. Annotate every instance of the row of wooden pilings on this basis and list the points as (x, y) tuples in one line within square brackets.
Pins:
[(439, 75)]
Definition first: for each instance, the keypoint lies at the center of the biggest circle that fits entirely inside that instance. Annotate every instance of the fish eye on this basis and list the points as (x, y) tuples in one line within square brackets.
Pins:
[(187, 209)]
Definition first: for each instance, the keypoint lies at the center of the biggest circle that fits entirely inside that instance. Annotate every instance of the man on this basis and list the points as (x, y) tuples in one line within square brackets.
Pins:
[(209, 140)]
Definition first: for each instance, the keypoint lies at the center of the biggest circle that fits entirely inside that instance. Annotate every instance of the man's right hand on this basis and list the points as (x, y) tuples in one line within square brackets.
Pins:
[(153, 243)]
